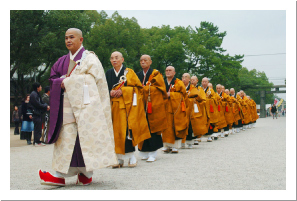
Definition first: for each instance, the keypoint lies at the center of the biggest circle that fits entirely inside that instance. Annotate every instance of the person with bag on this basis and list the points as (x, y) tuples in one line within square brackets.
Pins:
[(38, 107), (27, 124)]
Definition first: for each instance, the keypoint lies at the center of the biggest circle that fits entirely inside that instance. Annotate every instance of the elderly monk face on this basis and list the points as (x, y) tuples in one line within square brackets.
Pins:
[(205, 82), (209, 85), (219, 88), (227, 91), (232, 91), (145, 61), (194, 80), (73, 39), (186, 79), (222, 88), (241, 93), (116, 59), (170, 72)]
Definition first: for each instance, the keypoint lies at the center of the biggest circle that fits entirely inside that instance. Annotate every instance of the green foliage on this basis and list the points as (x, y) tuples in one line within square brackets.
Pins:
[(37, 38), (252, 82)]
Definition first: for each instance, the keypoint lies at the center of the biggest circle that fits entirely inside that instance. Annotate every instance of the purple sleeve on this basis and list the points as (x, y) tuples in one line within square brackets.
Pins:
[(56, 104)]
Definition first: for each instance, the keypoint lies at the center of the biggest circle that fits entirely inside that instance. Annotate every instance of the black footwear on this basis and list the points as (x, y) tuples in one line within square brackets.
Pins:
[(29, 142)]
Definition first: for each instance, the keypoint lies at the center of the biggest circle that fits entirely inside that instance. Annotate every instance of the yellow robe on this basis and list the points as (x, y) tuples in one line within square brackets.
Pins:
[(198, 120), (212, 107), (221, 108), (228, 109), (236, 110), (176, 118), (124, 114), (254, 109), (245, 110), (157, 90)]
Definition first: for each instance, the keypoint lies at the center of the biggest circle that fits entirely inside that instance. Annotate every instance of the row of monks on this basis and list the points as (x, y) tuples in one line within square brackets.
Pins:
[(151, 112)]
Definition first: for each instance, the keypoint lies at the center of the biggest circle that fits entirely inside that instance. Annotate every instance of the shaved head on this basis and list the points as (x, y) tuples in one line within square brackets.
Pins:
[(146, 56), (170, 72), (232, 91), (219, 88), (145, 62), (186, 79), (76, 30), (241, 93), (227, 91), (73, 39), (209, 85), (117, 53), (194, 80), (205, 82), (116, 60)]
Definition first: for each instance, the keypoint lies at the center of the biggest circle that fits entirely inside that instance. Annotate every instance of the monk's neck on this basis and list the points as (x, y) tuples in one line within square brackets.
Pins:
[(145, 70), (169, 79), (118, 68)]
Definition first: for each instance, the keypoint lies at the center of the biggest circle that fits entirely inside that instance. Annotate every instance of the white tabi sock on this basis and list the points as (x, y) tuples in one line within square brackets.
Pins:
[(144, 155), (132, 159)]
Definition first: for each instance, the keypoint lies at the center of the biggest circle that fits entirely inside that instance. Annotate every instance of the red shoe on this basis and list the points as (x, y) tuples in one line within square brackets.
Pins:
[(83, 180), (47, 179)]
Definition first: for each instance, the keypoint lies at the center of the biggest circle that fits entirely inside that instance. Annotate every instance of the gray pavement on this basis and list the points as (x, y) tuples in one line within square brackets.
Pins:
[(250, 160)]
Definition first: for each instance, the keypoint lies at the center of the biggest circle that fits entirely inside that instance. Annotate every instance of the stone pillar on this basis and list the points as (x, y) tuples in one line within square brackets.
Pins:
[(262, 105)]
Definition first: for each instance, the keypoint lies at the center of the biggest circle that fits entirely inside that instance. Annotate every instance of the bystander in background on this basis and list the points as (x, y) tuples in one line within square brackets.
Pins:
[(27, 124), (16, 120), (38, 108)]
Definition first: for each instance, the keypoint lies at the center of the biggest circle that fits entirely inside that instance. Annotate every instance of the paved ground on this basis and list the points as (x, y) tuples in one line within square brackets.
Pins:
[(250, 160)]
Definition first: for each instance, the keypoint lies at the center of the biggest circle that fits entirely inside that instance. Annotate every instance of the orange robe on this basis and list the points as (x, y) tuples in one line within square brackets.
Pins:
[(211, 106), (198, 119), (221, 108), (245, 110), (124, 114), (236, 109), (253, 107), (155, 89), (229, 116), (176, 113)]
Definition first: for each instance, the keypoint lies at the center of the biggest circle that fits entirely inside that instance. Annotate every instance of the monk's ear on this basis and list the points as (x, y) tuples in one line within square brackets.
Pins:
[(123, 59), (81, 39)]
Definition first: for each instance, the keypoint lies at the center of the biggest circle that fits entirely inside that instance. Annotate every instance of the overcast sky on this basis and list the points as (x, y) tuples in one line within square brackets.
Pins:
[(249, 32)]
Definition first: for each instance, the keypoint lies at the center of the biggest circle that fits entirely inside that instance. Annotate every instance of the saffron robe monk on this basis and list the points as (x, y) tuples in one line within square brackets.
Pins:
[(211, 109), (202, 104), (245, 110), (196, 112), (221, 108), (237, 111), (223, 95), (128, 115), (154, 96), (229, 112), (254, 111), (176, 112)]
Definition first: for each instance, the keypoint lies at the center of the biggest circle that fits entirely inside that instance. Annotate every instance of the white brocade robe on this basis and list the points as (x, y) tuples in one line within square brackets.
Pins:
[(91, 121)]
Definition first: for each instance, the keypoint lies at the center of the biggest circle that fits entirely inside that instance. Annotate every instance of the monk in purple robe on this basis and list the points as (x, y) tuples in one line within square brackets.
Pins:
[(80, 115)]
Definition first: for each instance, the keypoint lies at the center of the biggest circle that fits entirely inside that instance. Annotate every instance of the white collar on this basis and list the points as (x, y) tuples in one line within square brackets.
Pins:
[(188, 85), (146, 71), (73, 56), (117, 73)]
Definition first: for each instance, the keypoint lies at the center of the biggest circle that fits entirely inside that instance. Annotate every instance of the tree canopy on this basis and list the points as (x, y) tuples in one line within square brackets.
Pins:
[(37, 41)]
